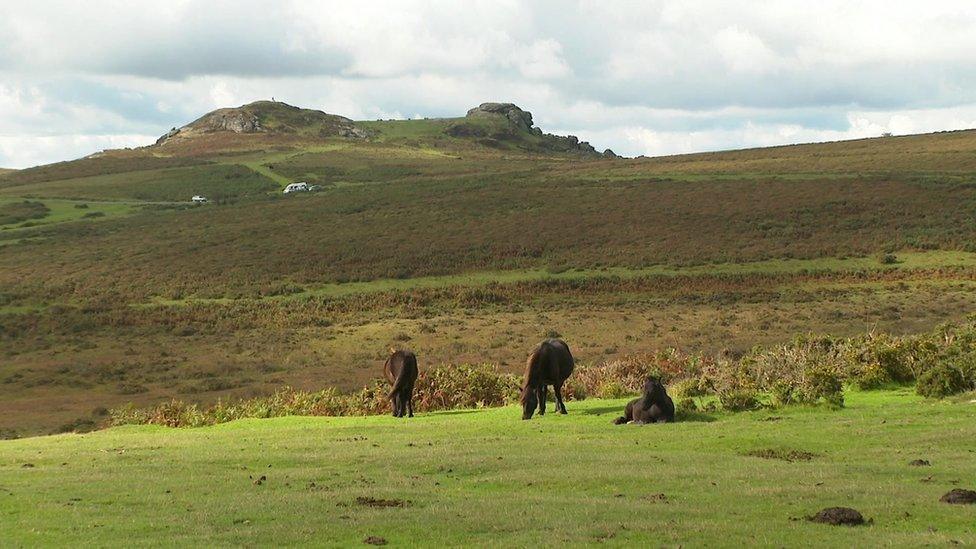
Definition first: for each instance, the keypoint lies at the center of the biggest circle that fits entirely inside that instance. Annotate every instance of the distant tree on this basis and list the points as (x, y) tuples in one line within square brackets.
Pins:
[(886, 134)]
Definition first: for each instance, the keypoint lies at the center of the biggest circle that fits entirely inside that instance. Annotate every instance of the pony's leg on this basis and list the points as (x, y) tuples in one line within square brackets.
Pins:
[(558, 389), (398, 405), (410, 399), (543, 396)]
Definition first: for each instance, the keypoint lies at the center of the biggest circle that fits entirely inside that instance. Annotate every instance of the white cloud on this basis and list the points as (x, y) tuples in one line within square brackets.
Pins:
[(744, 52), (640, 77)]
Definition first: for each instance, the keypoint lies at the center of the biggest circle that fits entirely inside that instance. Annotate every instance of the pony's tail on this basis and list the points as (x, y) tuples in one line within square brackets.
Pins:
[(403, 378)]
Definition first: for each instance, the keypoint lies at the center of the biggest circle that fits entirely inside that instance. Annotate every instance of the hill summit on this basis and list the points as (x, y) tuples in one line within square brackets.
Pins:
[(271, 117), (264, 124)]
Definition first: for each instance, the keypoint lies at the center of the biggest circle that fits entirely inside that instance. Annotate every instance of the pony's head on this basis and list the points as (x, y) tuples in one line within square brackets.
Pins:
[(529, 401), (654, 387)]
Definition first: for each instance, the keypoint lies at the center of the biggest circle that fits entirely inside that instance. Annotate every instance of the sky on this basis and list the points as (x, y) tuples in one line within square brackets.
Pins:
[(650, 77)]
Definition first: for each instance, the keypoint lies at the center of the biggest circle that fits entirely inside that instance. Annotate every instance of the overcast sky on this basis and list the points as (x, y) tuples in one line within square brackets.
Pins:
[(652, 77)]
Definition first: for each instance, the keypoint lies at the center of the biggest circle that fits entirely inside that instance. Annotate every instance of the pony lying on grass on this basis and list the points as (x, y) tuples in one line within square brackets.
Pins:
[(401, 370), (655, 406), (550, 363)]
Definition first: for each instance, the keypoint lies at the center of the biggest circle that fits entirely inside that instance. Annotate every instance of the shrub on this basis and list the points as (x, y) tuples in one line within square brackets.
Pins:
[(782, 393), (739, 400), (611, 388), (464, 386), (871, 376), (574, 389), (887, 259), (822, 383), (690, 387), (940, 381)]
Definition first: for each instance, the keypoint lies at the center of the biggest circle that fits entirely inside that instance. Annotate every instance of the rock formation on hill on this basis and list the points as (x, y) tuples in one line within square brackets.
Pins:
[(505, 123), (268, 117), (519, 118)]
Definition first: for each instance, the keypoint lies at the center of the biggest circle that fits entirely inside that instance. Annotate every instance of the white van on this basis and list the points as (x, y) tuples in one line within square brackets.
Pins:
[(199, 199), (296, 188)]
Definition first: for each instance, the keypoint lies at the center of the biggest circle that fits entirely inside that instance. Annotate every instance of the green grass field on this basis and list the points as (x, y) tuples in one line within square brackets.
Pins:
[(484, 477)]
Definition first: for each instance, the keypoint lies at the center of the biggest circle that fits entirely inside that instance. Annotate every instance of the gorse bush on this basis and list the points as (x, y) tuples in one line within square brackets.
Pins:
[(808, 370), (463, 386), (941, 381)]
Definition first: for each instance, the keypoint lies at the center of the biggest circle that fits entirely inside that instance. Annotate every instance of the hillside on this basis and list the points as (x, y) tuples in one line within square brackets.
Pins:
[(466, 239), (746, 479)]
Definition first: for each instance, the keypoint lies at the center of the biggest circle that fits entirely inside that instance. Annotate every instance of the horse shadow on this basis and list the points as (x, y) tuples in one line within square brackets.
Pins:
[(600, 411), (455, 412)]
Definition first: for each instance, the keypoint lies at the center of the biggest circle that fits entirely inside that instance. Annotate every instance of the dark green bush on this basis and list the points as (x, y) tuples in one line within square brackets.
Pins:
[(739, 400), (941, 381), (691, 387), (822, 383)]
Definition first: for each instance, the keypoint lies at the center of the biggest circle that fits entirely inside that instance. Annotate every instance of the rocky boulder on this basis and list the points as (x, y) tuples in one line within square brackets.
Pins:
[(234, 120), (516, 127), (519, 118)]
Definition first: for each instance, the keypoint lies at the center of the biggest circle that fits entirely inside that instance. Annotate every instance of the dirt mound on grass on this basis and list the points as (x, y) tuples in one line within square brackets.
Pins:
[(368, 501), (838, 516), (919, 463), (960, 496), (782, 454)]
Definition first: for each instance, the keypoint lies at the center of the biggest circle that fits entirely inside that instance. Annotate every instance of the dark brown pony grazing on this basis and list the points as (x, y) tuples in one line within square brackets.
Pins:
[(655, 406), (550, 363), (401, 370)]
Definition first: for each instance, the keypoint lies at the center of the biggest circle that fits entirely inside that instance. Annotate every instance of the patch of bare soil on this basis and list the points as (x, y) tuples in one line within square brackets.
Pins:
[(959, 496), (368, 501), (782, 454), (374, 540), (838, 516), (919, 463)]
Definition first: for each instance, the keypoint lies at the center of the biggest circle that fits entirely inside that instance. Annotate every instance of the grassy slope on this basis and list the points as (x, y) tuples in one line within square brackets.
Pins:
[(947, 152), (173, 184), (907, 261), (487, 478), (458, 226), (61, 211)]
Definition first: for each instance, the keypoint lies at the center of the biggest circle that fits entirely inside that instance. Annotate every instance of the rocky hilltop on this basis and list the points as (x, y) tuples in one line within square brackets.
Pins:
[(501, 123), (270, 117), (271, 123)]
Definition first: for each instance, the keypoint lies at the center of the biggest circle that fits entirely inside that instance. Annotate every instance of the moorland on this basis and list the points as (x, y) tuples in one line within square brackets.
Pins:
[(466, 239)]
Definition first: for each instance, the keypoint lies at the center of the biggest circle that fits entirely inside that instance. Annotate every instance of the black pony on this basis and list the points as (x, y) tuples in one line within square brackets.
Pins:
[(655, 406), (401, 370), (550, 363)]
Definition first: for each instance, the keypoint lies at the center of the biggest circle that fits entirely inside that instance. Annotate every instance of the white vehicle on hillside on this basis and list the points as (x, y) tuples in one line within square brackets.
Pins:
[(199, 199), (301, 187)]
